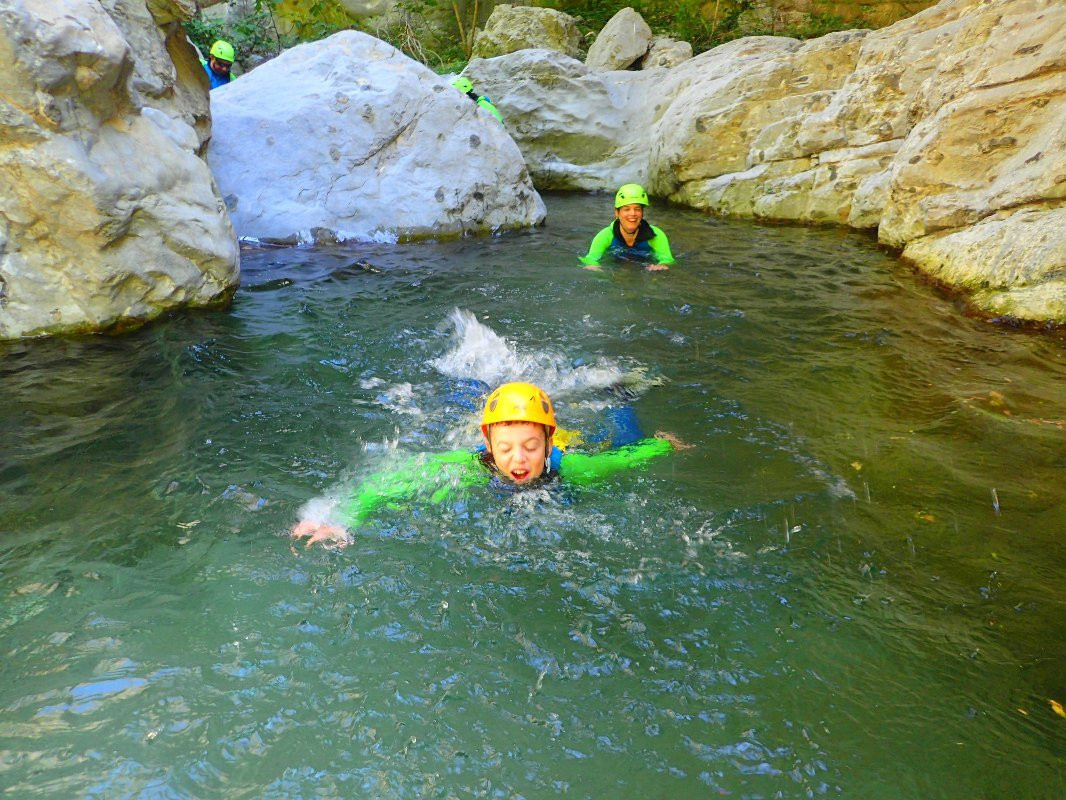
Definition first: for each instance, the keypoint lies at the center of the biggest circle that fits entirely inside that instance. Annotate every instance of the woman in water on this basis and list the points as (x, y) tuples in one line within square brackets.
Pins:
[(630, 236)]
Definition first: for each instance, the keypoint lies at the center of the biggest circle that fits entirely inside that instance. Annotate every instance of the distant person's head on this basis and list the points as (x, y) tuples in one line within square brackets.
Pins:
[(221, 57), (518, 423), (629, 204), (465, 86)]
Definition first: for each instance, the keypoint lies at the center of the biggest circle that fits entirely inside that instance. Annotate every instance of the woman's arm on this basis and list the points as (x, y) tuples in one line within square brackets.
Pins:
[(660, 246), (601, 243)]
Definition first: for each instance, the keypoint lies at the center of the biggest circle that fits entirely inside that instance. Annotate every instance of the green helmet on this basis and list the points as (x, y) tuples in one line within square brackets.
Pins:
[(631, 193), (463, 84), (223, 51)]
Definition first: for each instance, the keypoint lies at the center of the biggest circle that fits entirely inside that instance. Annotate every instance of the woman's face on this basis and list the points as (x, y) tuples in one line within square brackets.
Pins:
[(630, 216), (519, 450)]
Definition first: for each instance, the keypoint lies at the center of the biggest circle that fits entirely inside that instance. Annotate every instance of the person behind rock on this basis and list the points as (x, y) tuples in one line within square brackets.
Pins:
[(630, 236), (219, 63), (466, 87), (519, 452)]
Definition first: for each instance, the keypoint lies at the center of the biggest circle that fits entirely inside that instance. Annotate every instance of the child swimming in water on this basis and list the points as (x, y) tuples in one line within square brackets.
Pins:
[(518, 426)]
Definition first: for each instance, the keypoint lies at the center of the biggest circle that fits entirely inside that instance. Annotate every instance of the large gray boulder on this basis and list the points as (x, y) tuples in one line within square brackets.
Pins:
[(348, 138), (107, 217), (620, 43), (578, 128), (510, 28)]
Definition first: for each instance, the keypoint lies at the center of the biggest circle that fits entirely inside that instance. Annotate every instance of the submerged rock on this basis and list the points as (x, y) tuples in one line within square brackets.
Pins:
[(348, 138), (108, 216), (945, 131)]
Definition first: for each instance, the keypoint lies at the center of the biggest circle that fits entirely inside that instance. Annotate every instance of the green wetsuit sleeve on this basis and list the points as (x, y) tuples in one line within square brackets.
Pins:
[(584, 469), (488, 106), (660, 246), (433, 477), (600, 244)]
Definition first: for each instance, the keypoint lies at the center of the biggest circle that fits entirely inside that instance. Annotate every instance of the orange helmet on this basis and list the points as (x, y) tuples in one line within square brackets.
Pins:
[(518, 402)]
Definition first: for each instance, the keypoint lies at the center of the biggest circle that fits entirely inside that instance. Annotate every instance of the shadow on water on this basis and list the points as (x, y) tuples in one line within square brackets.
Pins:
[(850, 586)]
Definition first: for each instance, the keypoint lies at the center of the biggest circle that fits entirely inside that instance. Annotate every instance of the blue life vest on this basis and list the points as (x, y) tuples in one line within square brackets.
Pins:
[(640, 251), (216, 80)]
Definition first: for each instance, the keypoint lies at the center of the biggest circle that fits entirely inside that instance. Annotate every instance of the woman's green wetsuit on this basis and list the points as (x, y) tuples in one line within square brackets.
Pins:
[(651, 245), (436, 476)]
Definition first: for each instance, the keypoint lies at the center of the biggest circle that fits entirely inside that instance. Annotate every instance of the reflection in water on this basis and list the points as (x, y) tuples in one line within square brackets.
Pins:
[(850, 587)]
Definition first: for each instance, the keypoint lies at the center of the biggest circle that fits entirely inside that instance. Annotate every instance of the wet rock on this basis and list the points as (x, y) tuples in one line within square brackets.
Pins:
[(348, 136), (108, 216)]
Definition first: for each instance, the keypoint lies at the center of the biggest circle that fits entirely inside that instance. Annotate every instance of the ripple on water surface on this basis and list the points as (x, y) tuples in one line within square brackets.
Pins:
[(849, 587)]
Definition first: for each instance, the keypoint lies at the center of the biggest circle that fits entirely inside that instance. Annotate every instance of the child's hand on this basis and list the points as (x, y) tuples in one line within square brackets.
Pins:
[(316, 531), (656, 267), (594, 267), (673, 440)]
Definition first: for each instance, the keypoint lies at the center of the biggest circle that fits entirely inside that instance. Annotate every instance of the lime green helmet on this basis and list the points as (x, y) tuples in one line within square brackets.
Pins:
[(631, 193), (463, 84), (223, 51)]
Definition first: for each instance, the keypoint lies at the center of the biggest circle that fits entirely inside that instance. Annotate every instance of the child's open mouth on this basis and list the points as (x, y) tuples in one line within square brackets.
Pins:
[(519, 475)]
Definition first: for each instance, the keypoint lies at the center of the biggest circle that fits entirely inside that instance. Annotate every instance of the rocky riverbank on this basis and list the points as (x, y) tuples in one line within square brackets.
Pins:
[(944, 132)]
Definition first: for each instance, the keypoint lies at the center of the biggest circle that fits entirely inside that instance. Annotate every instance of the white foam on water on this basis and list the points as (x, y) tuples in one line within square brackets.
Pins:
[(322, 510), (401, 399), (479, 353)]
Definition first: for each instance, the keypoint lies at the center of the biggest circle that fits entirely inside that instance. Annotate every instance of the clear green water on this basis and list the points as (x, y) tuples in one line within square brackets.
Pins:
[(819, 599)]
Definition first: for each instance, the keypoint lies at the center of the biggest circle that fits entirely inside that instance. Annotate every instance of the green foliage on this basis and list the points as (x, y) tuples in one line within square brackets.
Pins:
[(821, 24), (259, 33), (682, 20), (702, 23), (254, 34), (439, 33), (591, 15), (311, 20)]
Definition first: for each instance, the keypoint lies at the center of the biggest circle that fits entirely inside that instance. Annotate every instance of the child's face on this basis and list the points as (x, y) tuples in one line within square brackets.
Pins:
[(519, 450)]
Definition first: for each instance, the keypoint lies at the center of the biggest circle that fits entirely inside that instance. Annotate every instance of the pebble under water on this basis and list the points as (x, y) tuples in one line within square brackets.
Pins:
[(851, 586)]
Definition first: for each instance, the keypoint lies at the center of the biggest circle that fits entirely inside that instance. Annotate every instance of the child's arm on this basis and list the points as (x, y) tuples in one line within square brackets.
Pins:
[(436, 475), (584, 469), (440, 471), (601, 242)]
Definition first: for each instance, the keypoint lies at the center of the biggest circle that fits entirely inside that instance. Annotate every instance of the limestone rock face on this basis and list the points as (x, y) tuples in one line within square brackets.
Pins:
[(621, 43), (945, 131), (510, 28), (108, 217), (578, 128), (781, 16), (347, 138)]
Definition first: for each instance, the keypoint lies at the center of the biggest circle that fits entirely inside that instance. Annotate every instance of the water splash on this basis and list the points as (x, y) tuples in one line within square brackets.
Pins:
[(479, 353)]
